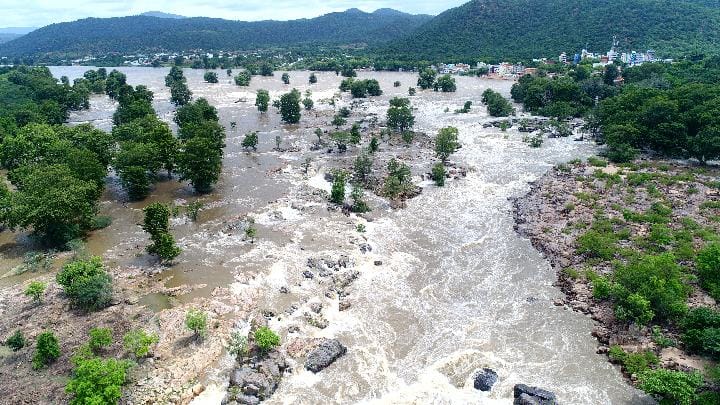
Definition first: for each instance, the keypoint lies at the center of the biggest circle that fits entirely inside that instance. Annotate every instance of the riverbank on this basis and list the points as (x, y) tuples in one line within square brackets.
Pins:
[(590, 219)]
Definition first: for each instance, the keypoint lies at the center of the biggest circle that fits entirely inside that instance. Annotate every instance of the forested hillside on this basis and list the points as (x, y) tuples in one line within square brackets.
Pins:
[(145, 33), (537, 28)]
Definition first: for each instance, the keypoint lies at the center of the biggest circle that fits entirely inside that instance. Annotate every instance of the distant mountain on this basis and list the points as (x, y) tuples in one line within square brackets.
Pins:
[(17, 30), (144, 33), (535, 28), (8, 37), (160, 14)]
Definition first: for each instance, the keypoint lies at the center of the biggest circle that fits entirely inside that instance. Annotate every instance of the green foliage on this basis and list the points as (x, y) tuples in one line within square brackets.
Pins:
[(35, 290), (398, 181), (211, 77), (358, 196), (446, 143), (445, 83), (47, 350), (100, 338), (262, 100), (250, 141), (707, 264), (266, 339), (633, 363), (196, 321), (180, 94), (201, 150), (290, 107), (238, 345), (701, 332), (308, 103), (362, 167), (157, 219), (313, 78), (138, 342), (86, 283), (285, 78), (164, 247), (337, 193), (596, 162), (399, 115), (338, 121), (243, 78), (97, 381), (374, 145), (426, 79), (599, 244), (193, 209), (16, 341), (671, 386), (362, 88), (438, 174)]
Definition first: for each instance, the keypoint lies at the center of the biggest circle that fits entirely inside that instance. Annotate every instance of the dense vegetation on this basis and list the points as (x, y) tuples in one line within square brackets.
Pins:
[(668, 109), (144, 33), (524, 29)]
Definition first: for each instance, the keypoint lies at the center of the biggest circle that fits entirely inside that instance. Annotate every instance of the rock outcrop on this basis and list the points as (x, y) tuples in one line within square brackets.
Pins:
[(324, 355)]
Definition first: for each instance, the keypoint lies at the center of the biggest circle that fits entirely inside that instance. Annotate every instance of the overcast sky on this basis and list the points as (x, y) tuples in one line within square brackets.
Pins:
[(37, 13)]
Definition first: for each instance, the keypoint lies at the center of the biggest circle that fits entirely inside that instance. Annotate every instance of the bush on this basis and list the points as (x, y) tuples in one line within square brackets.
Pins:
[(633, 363), (598, 244), (497, 105), (438, 174), (238, 345), (657, 280), (266, 339), (671, 386), (16, 341), (337, 194), (97, 381), (86, 283), (701, 328), (708, 268), (99, 338), (46, 351), (196, 321), (138, 342), (35, 290)]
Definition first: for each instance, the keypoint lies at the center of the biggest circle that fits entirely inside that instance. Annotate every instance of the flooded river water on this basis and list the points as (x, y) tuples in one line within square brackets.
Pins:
[(457, 290)]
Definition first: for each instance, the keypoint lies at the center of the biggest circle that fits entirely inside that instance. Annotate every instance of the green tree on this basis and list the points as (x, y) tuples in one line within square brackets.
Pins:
[(358, 197), (398, 181), (708, 268), (438, 174), (337, 194), (262, 101), (200, 162), (445, 83), (86, 283), (426, 80), (399, 115), (338, 121), (250, 141), (313, 78), (374, 145), (446, 143), (355, 136), (363, 167), (290, 107), (164, 247), (47, 350), (672, 387), (136, 164), (211, 77), (266, 70), (53, 203), (243, 78), (35, 290), (196, 321), (286, 78), (97, 381), (180, 94)]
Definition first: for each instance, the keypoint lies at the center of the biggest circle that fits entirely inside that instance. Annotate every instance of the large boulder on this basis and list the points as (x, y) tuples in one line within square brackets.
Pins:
[(485, 379), (324, 354), (525, 395), (252, 383)]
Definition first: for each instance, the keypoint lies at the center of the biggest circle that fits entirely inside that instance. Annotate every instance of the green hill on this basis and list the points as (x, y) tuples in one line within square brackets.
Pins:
[(537, 28), (148, 33)]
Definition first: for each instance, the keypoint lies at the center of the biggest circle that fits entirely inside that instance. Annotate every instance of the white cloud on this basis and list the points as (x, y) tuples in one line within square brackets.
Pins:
[(18, 13)]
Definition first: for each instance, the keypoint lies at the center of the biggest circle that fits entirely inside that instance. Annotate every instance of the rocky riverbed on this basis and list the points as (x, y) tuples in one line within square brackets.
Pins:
[(565, 203)]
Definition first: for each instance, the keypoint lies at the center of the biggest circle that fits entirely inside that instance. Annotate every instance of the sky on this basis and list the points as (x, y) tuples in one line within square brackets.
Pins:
[(38, 13)]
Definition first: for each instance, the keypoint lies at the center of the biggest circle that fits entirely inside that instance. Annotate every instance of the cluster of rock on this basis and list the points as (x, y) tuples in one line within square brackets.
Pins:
[(483, 380), (324, 355), (256, 379)]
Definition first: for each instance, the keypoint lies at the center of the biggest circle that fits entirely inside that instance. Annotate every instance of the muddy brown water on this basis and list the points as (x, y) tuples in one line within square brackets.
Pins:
[(458, 289)]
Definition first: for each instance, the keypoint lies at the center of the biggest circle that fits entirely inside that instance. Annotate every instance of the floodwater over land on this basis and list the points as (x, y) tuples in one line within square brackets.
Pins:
[(457, 289)]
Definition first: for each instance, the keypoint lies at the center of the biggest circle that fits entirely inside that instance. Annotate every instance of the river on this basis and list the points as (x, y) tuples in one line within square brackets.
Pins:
[(458, 289)]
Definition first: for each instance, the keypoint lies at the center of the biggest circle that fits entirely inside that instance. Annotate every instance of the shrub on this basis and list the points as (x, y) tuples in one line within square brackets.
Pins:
[(47, 350), (634, 308), (97, 381), (138, 342), (598, 244), (16, 341), (657, 279), (99, 338), (238, 345), (35, 290), (337, 194), (446, 143), (86, 283), (597, 162), (671, 386), (708, 268), (633, 363), (358, 196), (701, 328), (266, 339), (438, 174), (196, 321), (250, 141)]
